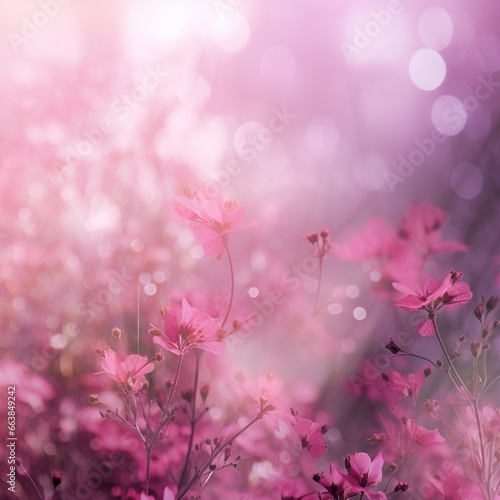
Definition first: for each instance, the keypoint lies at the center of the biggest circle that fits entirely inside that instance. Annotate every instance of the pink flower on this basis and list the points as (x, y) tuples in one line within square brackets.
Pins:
[(130, 372), (188, 328), (422, 225), (311, 436), (409, 385), (420, 436), (338, 484), (435, 295), (490, 419), (362, 473), (379, 240), (363, 470), (210, 218), (452, 485)]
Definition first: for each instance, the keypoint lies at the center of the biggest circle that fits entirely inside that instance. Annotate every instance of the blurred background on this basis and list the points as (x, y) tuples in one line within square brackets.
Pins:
[(311, 115)]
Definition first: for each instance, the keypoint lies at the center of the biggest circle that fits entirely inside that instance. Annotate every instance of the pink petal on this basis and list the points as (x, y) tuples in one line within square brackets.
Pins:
[(411, 303), (426, 328), (112, 364), (135, 365), (408, 286), (209, 240)]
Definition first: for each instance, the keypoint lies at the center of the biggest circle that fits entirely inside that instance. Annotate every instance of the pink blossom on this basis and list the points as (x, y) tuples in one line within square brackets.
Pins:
[(362, 474), (130, 372), (168, 494), (266, 394), (338, 484), (421, 436), (365, 471), (452, 485), (188, 328), (407, 385), (422, 225), (490, 419), (434, 295), (311, 436), (211, 218), (381, 241)]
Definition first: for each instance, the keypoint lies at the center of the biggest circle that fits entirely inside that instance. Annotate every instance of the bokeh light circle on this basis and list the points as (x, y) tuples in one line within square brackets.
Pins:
[(448, 115), (467, 180), (231, 32), (435, 28), (427, 69), (278, 64)]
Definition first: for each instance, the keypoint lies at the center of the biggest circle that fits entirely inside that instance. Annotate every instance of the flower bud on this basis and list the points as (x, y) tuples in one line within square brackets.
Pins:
[(116, 332), (56, 478), (478, 311), (312, 237), (491, 304), (164, 311), (204, 392), (476, 348), (187, 395), (393, 347), (155, 332), (430, 405), (158, 356), (401, 487), (325, 234)]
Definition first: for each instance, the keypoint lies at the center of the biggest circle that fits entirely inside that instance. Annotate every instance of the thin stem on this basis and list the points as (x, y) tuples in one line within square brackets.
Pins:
[(193, 421), (148, 468), (472, 400), (432, 317), (231, 269), (320, 272), (149, 446), (32, 482), (214, 455)]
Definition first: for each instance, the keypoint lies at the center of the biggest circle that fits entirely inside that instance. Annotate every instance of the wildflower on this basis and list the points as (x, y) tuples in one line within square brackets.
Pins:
[(362, 474), (421, 436), (409, 385), (321, 242), (337, 484), (363, 470), (434, 295), (392, 255), (130, 372), (56, 477), (188, 328), (311, 437), (210, 218), (422, 226), (268, 388)]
